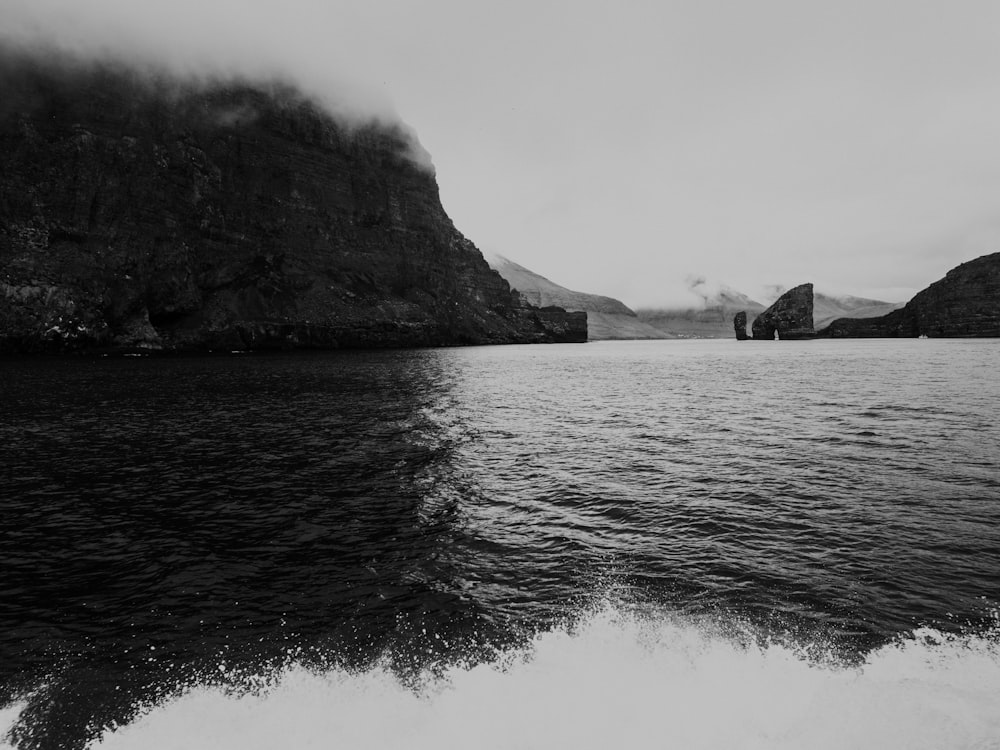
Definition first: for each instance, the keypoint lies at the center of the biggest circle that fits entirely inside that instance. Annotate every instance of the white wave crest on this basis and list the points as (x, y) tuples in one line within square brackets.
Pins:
[(615, 680)]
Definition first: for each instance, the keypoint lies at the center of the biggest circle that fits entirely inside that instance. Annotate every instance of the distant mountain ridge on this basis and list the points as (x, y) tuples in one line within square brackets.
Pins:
[(713, 320), (541, 292), (607, 317), (965, 303), (827, 308)]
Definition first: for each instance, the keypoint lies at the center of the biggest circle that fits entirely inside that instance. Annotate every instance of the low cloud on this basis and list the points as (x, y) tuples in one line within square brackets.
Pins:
[(701, 288), (693, 292), (771, 292), (297, 43), (229, 117), (768, 154)]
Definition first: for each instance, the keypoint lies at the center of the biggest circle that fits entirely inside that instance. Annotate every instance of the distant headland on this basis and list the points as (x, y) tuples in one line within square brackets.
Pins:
[(964, 304)]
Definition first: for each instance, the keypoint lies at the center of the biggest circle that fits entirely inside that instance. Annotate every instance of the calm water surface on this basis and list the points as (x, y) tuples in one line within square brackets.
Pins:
[(224, 521)]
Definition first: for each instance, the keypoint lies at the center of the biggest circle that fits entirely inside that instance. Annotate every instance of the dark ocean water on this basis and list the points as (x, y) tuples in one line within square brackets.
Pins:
[(651, 544)]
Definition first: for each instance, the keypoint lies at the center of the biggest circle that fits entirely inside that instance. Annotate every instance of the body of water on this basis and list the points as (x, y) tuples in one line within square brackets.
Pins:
[(669, 544)]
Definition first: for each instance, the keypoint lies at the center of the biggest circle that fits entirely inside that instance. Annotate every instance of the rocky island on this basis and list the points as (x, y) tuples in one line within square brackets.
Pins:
[(790, 317), (143, 212)]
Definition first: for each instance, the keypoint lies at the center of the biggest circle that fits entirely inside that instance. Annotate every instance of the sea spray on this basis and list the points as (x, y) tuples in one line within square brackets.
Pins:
[(612, 679), (8, 717)]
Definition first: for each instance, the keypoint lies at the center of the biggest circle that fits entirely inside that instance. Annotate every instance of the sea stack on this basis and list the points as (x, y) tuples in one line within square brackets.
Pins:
[(791, 316), (740, 325)]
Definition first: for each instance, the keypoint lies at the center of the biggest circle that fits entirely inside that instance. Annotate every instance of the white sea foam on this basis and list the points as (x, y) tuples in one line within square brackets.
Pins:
[(8, 715), (615, 680)]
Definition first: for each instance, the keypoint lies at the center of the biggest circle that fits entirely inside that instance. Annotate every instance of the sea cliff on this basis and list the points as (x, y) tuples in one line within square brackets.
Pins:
[(965, 303), (137, 211)]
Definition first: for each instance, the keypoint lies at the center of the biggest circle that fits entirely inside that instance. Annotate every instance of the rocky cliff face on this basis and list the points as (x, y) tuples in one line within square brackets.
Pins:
[(966, 302), (791, 316), (139, 213)]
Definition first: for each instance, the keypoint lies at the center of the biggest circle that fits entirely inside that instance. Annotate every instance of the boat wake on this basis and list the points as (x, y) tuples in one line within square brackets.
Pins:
[(613, 679)]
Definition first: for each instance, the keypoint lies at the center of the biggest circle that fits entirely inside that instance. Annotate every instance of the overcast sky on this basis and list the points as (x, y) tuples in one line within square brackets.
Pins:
[(623, 148)]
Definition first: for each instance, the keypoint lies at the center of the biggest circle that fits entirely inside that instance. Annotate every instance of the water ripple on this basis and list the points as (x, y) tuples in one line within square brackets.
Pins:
[(165, 516)]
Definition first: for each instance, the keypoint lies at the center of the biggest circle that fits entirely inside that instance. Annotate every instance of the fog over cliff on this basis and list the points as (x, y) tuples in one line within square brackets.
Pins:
[(624, 148), (143, 212), (203, 43)]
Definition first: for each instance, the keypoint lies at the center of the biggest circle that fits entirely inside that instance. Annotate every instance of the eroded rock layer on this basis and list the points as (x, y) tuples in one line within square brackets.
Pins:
[(965, 303), (141, 213), (791, 316)]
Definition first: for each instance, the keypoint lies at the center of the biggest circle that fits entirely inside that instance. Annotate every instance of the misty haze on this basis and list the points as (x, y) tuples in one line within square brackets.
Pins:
[(536, 375)]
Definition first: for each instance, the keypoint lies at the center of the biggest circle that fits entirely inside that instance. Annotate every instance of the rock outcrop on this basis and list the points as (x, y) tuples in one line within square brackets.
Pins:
[(965, 303), (791, 316), (740, 325), (155, 214)]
